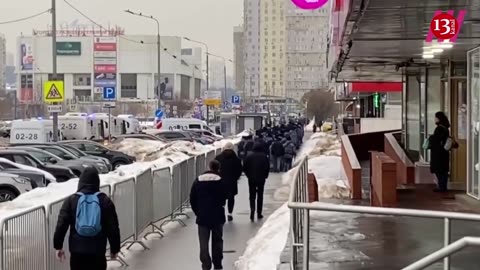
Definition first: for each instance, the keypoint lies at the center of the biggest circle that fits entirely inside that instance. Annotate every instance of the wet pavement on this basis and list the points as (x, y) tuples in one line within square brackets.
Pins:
[(179, 248)]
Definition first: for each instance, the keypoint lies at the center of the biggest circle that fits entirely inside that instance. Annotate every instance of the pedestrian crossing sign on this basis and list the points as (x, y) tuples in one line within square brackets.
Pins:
[(53, 91)]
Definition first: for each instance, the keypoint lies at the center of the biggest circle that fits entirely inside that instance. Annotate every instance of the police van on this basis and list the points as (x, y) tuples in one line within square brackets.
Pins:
[(32, 131), (75, 126), (184, 124), (126, 124)]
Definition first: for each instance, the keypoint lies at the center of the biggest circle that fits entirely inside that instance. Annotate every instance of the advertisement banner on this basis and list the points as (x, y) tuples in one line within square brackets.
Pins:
[(69, 48), (105, 68), (213, 98), (26, 56), (105, 47), (105, 40), (166, 86), (105, 61), (102, 54)]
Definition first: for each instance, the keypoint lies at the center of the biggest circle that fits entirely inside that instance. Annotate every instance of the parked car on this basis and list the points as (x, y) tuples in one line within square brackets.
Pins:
[(210, 134), (61, 173), (116, 158), (199, 134), (76, 165), (12, 185), (66, 155), (79, 153), (37, 179), (10, 165), (181, 135)]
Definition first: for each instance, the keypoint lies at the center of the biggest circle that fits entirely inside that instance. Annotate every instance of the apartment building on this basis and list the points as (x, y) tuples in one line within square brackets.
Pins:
[(3, 62), (252, 47), (306, 64), (239, 65)]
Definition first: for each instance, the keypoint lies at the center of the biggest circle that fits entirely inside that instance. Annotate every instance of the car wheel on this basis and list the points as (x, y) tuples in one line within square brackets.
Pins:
[(117, 164), (7, 195)]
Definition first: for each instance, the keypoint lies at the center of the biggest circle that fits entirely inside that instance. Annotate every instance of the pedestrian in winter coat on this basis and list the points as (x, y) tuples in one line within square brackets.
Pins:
[(290, 152), (245, 147), (440, 157), (231, 170), (207, 198), (87, 252), (276, 154), (256, 168), (259, 140)]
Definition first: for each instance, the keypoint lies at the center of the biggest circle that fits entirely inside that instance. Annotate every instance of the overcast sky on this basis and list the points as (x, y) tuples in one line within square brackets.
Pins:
[(211, 21)]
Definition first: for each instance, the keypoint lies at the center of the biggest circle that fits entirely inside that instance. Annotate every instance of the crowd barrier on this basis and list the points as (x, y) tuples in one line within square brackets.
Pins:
[(151, 199)]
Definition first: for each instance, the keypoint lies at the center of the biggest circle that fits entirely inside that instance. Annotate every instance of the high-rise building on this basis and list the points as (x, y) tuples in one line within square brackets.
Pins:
[(216, 73), (3, 62), (239, 66), (252, 47), (272, 47), (307, 33)]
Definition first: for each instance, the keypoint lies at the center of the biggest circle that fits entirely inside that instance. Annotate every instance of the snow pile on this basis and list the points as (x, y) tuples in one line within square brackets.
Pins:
[(309, 127), (263, 251), (331, 178)]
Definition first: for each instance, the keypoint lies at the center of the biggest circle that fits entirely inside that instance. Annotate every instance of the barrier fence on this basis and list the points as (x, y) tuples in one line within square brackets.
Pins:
[(151, 197)]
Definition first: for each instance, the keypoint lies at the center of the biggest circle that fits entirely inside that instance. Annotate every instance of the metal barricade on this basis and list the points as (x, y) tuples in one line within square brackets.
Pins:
[(162, 194), (24, 241), (123, 197), (200, 164), (218, 151), (53, 210), (143, 205), (184, 183), (176, 188), (210, 157)]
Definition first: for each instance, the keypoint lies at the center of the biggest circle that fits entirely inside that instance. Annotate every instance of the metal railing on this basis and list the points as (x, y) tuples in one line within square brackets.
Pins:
[(151, 199), (300, 210)]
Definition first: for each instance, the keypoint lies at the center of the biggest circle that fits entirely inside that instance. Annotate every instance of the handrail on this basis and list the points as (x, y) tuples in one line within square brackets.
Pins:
[(444, 252), (349, 149)]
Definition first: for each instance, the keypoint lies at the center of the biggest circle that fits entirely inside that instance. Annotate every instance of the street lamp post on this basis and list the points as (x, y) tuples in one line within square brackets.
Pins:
[(224, 73), (208, 71), (54, 64), (159, 50)]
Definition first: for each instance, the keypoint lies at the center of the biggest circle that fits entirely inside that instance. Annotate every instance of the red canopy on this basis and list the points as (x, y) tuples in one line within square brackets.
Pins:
[(381, 87)]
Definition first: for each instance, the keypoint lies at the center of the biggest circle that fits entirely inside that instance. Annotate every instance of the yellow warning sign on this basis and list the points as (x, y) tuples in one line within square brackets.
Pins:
[(53, 91)]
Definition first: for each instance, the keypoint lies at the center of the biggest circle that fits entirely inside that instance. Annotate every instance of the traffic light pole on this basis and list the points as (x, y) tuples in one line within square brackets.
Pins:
[(54, 64)]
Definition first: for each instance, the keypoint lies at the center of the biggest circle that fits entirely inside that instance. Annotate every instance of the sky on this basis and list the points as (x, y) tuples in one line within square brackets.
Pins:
[(210, 21)]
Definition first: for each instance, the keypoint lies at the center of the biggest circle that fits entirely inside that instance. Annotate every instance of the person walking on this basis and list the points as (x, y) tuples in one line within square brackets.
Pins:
[(207, 198), (231, 170), (257, 169), (440, 143), (276, 154), (92, 219), (290, 153)]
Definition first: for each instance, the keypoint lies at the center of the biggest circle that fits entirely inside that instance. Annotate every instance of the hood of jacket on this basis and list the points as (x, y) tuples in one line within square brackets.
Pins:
[(89, 181), (228, 153), (209, 176)]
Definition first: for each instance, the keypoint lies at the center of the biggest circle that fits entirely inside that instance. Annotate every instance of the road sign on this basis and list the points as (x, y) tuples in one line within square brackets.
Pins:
[(235, 99), (54, 108), (213, 98), (53, 91), (109, 93), (159, 113), (109, 105)]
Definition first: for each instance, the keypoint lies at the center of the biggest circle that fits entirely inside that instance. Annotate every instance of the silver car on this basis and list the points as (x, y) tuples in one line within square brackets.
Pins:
[(12, 185)]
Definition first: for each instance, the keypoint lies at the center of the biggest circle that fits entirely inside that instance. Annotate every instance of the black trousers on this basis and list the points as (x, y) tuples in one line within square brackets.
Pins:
[(231, 204), (87, 262), (204, 233), (256, 189)]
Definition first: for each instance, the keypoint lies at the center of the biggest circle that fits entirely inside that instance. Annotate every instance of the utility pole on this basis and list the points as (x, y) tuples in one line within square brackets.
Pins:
[(54, 64), (225, 78)]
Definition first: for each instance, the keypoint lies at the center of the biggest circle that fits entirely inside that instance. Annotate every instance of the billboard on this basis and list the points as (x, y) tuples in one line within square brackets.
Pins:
[(26, 56), (69, 48), (105, 62), (167, 82), (105, 79)]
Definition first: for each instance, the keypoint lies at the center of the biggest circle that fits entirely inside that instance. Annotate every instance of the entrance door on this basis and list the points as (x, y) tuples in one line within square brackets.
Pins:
[(459, 130), (473, 187)]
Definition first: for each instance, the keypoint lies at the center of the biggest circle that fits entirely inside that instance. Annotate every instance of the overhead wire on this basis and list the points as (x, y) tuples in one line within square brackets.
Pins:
[(26, 18)]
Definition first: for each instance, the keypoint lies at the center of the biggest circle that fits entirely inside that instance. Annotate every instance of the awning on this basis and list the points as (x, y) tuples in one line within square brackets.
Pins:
[(380, 87)]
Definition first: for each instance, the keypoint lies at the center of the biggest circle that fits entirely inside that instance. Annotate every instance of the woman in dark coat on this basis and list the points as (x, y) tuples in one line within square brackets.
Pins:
[(230, 171), (440, 157)]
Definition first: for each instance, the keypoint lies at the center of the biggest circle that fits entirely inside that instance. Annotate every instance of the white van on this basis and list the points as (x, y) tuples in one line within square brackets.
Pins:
[(75, 126), (99, 124), (184, 124), (127, 124), (32, 131)]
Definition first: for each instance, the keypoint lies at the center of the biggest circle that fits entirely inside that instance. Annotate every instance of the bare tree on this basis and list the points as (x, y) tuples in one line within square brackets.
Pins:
[(320, 104)]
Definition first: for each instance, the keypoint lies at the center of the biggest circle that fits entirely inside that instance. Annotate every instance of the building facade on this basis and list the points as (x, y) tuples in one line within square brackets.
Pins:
[(88, 64), (252, 47), (239, 64), (307, 35), (3, 62)]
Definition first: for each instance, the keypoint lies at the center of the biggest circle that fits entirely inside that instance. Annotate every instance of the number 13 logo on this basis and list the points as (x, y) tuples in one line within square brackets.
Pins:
[(444, 26)]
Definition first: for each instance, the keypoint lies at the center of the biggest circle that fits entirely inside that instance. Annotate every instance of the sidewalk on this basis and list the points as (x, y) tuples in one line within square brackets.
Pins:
[(179, 249)]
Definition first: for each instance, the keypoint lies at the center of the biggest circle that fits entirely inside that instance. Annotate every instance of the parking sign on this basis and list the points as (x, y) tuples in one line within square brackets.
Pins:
[(235, 99), (109, 93)]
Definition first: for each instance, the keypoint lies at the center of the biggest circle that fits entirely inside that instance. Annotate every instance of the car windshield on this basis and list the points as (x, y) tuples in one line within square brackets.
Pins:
[(43, 156), (70, 151)]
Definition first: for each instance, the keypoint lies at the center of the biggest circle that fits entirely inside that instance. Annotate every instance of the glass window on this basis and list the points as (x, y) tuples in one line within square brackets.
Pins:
[(82, 80), (93, 147), (413, 113), (195, 126), (474, 142), (7, 165), (25, 160)]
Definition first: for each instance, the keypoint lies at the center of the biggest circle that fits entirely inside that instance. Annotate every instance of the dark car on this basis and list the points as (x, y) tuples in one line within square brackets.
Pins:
[(116, 158), (82, 154), (198, 134), (61, 173), (183, 135), (37, 179), (141, 136)]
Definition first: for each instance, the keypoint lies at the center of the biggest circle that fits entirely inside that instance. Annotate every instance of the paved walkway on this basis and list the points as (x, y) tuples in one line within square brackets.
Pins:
[(179, 249)]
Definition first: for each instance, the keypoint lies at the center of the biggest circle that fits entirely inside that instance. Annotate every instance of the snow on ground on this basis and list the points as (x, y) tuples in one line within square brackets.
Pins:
[(264, 250)]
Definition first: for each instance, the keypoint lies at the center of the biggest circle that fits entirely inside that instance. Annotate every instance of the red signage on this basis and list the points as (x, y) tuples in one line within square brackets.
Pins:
[(381, 87), (105, 47), (26, 94), (106, 68)]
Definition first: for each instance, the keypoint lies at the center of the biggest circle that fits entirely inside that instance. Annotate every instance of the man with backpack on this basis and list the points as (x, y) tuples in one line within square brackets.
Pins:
[(92, 219)]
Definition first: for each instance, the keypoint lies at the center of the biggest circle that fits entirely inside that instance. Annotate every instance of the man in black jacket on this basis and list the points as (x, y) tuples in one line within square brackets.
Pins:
[(207, 199), (231, 170), (256, 168), (276, 154), (88, 252)]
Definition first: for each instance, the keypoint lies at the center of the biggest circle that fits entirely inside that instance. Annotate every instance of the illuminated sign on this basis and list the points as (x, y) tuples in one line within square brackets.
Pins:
[(310, 4)]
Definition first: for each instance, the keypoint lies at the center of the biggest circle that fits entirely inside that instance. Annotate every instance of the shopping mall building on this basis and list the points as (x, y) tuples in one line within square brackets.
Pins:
[(384, 43)]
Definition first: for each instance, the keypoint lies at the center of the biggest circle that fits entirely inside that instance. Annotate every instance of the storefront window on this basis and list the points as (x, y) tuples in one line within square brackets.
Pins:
[(434, 100), (413, 115), (474, 125)]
